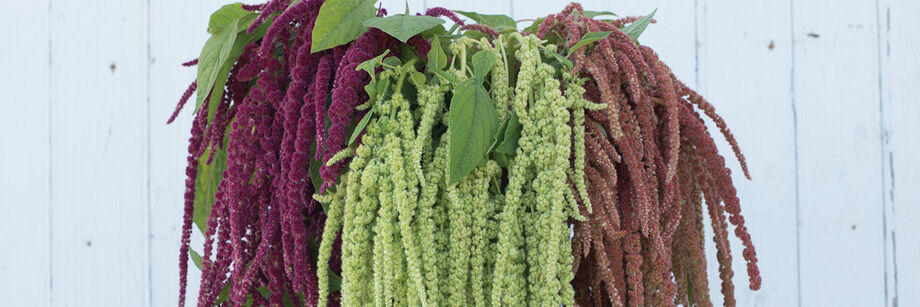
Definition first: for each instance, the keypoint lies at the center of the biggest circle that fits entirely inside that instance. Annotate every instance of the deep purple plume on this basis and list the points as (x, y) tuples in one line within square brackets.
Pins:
[(185, 97), (268, 8), (346, 94), (440, 11), (320, 88), (191, 173)]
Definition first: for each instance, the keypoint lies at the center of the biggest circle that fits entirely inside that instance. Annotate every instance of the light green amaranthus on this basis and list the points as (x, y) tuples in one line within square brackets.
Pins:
[(412, 239)]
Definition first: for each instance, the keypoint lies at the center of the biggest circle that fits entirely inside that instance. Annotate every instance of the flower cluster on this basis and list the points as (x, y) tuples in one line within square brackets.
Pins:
[(651, 166), (330, 177)]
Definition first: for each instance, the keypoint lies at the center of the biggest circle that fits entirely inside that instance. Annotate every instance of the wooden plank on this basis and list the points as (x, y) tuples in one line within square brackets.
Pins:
[(479, 6), (24, 162), (99, 154), (176, 36), (672, 36), (745, 60), (835, 84), (399, 6), (900, 72)]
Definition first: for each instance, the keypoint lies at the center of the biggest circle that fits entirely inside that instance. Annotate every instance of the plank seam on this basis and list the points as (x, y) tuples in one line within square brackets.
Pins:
[(883, 134), (696, 43), (147, 60), (795, 129), (50, 160)]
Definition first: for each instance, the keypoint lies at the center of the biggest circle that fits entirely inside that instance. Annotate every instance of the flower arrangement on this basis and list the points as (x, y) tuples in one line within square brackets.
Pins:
[(343, 156)]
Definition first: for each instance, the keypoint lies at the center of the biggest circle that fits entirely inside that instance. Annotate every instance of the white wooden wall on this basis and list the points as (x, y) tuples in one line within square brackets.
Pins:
[(822, 96)]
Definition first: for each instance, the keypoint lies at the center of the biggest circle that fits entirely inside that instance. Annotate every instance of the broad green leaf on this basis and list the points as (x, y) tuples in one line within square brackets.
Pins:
[(453, 28), (371, 89), (417, 77), (196, 258), (393, 61), (555, 56), (636, 28), (403, 27), (472, 123), (589, 38), (500, 23), (501, 159), (511, 135), (499, 135), (449, 77), (436, 56), (206, 182), (382, 86), (370, 65), (535, 26), (211, 61), (225, 16), (340, 21), (592, 14), (483, 60), (437, 30), (361, 125), (218, 55)]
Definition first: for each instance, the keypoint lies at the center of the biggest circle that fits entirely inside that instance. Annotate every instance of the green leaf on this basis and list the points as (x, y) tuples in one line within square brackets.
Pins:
[(224, 294), (264, 291), (382, 86), (417, 77), (340, 21), (500, 23), (206, 182), (535, 26), (437, 30), (196, 258), (589, 38), (436, 56), (449, 77), (361, 125), (211, 61), (314, 166), (218, 55), (499, 135), (482, 63), (392, 61), (371, 89), (558, 58), (403, 27), (511, 135), (335, 282), (472, 123), (636, 28), (592, 14), (225, 16), (370, 65), (501, 159)]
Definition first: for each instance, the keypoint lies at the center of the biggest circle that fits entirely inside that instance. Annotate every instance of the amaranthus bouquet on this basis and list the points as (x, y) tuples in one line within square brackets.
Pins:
[(343, 156)]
